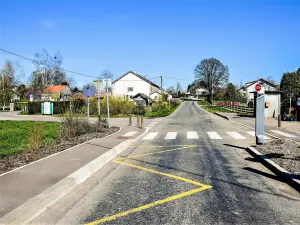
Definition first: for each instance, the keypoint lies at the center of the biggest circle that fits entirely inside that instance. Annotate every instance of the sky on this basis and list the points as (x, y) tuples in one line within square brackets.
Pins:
[(254, 38)]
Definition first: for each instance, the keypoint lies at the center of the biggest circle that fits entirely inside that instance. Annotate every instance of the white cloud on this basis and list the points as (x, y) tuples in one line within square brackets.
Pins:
[(48, 23)]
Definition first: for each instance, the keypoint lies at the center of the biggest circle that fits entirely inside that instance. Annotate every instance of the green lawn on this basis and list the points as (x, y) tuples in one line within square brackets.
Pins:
[(15, 134), (161, 113), (212, 109), (203, 103)]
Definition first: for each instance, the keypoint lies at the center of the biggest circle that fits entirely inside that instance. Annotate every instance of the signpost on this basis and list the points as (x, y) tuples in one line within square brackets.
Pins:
[(169, 99), (99, 85), (88, 92), (108, 85), (260, 113), (290, 95)]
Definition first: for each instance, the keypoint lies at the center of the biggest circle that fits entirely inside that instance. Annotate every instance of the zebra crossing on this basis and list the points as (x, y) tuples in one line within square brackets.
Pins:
[(194, 135)]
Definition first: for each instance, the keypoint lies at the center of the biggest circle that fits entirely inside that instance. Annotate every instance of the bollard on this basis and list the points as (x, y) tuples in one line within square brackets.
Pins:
[(130, 120), (142, 121), (138, 121)]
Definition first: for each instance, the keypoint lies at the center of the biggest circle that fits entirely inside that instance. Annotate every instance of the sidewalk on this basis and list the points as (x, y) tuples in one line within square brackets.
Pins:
[(293, 126), (24, 183)]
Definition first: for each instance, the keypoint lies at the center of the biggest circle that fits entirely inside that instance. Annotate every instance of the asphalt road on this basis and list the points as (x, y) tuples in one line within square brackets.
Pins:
[(183, 178)]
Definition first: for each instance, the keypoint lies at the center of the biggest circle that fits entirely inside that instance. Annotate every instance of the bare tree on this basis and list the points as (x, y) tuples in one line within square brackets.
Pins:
[(48, 70), (178, 88), (7, 82), (171, 90), (213, 73)]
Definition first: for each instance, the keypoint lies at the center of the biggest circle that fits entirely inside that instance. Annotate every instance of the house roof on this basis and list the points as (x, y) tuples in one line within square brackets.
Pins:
[(261, 79), (55, 89), (142, 95), (139, 76)]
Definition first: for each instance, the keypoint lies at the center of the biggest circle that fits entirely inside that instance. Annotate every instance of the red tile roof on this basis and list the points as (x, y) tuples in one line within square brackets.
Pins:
[(55, 89)]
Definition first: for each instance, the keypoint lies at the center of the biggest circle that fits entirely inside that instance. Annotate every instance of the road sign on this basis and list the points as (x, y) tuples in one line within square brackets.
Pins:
[(290, 95), (107, 83), (257, 87), (100, 82), (89, 91), (169, 97)]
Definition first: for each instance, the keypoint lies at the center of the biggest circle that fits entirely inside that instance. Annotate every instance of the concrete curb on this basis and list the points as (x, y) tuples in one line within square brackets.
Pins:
[(287, 176), (221, 115), (38, 204)]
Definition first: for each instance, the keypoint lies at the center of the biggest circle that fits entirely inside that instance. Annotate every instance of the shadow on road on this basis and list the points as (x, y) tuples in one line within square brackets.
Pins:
[(220, 180)]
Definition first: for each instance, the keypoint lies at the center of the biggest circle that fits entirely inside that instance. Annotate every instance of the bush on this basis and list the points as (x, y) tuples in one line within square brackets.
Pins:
[(139, 110), (20, 105), (58, 107)]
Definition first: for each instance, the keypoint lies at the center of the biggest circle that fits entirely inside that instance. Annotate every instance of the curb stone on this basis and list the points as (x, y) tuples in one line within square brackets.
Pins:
[(38, 204), (289, 177), (221, 115)]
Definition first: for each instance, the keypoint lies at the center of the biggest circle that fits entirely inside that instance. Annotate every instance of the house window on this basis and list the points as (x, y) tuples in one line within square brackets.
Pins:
[(130, 89)]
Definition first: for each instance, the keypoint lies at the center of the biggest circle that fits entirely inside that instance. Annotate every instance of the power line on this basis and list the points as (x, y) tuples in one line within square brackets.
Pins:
[(175, 79), (45, 64)]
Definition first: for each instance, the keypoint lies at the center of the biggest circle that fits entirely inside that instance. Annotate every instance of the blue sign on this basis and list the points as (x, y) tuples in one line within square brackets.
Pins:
[(89, 91), (298, 101)]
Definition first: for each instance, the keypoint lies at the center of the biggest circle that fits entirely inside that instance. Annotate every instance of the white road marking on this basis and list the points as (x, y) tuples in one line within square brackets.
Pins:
[(171, 135), (252, 133), (214, 135), (236, 135), (192, 135), (129, 134), (150, 136), (282, 133)]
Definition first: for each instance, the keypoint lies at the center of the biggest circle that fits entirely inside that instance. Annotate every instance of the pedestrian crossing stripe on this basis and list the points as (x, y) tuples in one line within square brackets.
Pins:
[(283, 133), (236, 135), (252, 133), (150, 136), (214, 135), (192, 135), (171, 135)]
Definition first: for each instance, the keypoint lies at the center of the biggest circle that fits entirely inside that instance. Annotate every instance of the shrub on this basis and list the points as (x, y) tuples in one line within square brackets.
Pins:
[(139, 110), (35, 139), (58, 107)]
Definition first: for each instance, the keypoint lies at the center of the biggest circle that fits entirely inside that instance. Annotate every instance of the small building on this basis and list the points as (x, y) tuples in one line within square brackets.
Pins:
[(57, 93), (131, 84), (156, 95), (142, 99), (248, 89)]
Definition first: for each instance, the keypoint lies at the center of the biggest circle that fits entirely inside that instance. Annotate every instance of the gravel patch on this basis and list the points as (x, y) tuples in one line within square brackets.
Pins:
[(284, 153), (28, 156)]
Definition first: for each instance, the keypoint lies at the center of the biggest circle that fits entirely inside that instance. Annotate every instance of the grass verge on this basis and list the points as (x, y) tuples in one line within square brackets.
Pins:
[(203, 103), (161, 113), (213, 109), (15, 135)]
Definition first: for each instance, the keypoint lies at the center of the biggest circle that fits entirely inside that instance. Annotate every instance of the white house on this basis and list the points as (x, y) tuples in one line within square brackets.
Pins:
[(250, 87), (155, 95), (131, 83), (272, 96)]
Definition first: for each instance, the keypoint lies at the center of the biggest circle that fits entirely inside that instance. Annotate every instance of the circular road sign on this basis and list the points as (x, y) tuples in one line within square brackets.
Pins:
[(257, 87)]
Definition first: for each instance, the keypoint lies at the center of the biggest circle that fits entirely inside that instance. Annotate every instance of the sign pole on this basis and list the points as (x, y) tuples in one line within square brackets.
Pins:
[(98, 100), (88, 109), (169, 104), (259, 119), (107, 102)]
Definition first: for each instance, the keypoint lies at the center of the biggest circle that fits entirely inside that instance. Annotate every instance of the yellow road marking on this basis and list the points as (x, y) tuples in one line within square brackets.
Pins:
[(158, 152), (147, 206), (161, 173), (159, 202)]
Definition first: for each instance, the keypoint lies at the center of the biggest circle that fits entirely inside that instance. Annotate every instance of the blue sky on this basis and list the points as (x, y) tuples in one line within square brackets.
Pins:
[(254, 38)]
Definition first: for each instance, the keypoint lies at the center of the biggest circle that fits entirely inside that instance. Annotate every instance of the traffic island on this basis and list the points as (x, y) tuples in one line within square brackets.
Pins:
[(281, 156)]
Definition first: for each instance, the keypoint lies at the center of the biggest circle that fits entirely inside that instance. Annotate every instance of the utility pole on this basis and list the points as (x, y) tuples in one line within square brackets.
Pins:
[(161, 83)]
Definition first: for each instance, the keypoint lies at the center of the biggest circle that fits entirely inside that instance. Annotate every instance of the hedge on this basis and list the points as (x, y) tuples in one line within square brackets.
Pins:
[(58, 107)]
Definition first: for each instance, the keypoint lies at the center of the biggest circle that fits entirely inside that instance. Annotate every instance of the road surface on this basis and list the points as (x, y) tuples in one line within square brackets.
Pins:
[(191, 168)]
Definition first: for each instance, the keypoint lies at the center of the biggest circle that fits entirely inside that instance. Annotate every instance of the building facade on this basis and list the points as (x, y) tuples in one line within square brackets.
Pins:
[(131, 84)]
